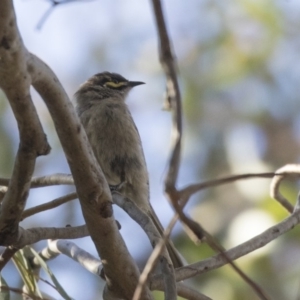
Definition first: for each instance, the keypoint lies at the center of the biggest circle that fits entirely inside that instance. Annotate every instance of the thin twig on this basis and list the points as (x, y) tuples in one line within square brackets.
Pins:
[(49, 205), (291, 170), (54, 4), (173, 95), (194, 188), (54, 179), (243, 249), (153, 258), (49, 180), (33, 235), (21, 292), (153, 234), (219, 248), (169, 279)]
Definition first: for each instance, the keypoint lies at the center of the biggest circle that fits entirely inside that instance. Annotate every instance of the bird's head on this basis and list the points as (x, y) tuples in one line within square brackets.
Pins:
[(106, 85)]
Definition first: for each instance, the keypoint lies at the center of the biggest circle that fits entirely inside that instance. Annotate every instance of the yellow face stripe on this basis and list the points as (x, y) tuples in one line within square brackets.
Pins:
[(114, 85)]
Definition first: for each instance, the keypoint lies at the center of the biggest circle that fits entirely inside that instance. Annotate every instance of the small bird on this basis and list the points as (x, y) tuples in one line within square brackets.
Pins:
[(100, 104)]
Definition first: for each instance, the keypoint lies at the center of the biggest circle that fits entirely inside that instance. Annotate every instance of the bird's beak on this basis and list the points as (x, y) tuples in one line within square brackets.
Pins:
[(134, 83)]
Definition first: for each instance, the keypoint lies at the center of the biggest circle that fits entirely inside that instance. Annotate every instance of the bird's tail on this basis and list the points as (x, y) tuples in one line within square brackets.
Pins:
[(174, 254)]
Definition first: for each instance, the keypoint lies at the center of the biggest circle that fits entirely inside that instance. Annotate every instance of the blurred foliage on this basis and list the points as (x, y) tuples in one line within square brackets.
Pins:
[(241, 104)]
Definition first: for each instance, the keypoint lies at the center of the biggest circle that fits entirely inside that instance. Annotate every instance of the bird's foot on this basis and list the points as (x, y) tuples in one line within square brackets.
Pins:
[(117, 187)]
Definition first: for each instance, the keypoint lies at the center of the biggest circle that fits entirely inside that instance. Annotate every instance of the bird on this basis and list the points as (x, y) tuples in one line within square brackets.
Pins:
[(115, 141)]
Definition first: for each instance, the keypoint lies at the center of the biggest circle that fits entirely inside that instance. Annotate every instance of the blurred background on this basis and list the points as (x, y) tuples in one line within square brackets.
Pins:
[(239, 72)]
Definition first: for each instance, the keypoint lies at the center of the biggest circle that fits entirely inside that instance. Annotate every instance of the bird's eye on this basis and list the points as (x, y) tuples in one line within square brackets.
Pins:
[(115, 81)]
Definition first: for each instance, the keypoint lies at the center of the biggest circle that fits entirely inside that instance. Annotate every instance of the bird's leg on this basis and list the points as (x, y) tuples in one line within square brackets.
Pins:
[(116, 188)]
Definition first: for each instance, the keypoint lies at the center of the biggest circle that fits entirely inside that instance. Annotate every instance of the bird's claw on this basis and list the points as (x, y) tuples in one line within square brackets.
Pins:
[(117, 187)]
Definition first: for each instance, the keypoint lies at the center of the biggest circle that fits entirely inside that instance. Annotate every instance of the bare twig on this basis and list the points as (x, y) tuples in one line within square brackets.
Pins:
[(243, 249), (287, 171), (218, 248), (194, 188), (185, 193), (169, 279), (54, 4), (49, 205), (36, 182), (33, 235), (21, 292), (174, 103), (198, 233), (173, 94), (153, 258), (54, 179), (171, 178), (146, 223), (88, 261)]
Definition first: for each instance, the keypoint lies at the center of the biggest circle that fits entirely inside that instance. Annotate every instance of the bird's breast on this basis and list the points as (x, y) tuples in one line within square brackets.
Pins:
[(115, 142)]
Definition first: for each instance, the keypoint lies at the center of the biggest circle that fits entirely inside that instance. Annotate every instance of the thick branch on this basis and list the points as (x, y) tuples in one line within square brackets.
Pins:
[(33, 235), (15, 82), (79, 255)]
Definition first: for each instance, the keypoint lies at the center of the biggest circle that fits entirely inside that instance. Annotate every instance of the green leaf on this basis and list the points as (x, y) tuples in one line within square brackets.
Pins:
[(45, 267), (26, 273), (4, 293)]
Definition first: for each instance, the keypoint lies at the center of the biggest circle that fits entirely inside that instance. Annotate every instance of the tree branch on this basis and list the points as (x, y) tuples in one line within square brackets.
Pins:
[(88, 261), (173, 95), (194, 188), (147, 225), (54, 179), (33, 142), (285, 172), (251, 245), (49, 205), (33, 235)]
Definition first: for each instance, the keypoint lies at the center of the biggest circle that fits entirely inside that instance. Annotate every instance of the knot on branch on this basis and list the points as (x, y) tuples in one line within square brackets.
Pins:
[(9, 233), (5, 43), (106, 210)]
